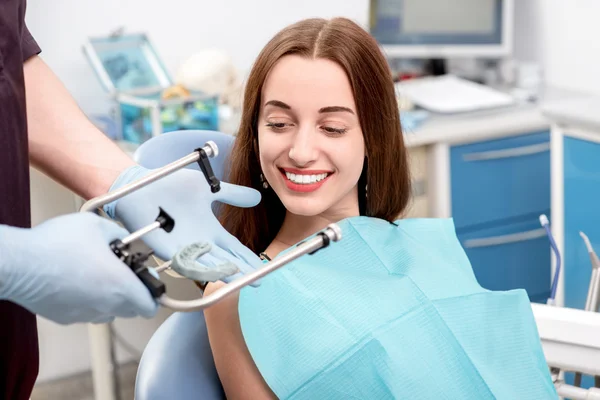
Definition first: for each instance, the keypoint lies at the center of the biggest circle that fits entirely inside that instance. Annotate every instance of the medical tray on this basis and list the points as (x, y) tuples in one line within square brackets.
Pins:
[(135, 78)]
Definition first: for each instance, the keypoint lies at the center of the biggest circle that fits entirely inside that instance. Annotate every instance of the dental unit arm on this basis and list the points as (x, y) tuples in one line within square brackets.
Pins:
[(571, 337), (149, 276)]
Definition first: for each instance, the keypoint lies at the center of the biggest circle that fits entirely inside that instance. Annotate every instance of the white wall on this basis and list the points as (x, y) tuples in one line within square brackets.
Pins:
[(563, 36), (177, 28)]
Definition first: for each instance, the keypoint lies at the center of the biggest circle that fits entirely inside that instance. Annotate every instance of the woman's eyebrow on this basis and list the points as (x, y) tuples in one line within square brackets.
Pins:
[(279, 104), (331, 109)]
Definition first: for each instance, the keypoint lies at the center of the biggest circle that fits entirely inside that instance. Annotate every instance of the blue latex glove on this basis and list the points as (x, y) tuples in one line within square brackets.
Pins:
[(186, 196), (64, 270)]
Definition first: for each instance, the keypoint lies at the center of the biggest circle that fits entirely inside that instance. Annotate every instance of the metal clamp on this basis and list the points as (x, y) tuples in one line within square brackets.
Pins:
[(199, 155), (320, 241), (149, 276)]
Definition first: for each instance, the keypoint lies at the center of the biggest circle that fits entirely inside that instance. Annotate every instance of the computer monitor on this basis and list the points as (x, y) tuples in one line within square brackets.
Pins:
[(438, 29)]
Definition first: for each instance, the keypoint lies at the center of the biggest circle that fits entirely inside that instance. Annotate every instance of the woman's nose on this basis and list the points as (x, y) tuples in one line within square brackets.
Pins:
[(303, 150)]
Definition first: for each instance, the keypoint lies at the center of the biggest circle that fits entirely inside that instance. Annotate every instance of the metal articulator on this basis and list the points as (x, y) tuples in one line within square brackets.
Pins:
[(149, 276)]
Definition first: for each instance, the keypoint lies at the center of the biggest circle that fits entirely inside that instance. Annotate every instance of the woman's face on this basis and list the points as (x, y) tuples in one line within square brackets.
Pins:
[(311, 144)]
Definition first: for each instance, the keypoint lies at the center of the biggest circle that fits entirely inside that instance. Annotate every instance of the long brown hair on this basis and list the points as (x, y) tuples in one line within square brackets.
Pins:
[(387, 176)]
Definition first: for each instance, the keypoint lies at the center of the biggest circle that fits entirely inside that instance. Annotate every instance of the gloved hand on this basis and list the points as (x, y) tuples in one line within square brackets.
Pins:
[(64, 270), (186, 196)]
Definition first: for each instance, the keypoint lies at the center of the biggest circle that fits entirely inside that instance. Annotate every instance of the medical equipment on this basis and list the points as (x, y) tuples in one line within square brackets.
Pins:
[(135, 261), (138, 84), (56, 273), (593, 295), (546, 225), (189, 200), (437, 28), (569, 337), (164, 221), (184, 264), (392, 311)]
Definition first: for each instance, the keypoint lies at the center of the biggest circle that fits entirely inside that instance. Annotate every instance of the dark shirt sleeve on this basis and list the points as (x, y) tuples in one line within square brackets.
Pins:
[(29, 46)]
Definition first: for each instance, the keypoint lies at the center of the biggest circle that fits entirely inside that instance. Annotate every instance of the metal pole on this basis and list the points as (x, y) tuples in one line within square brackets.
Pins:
[(331, 233)]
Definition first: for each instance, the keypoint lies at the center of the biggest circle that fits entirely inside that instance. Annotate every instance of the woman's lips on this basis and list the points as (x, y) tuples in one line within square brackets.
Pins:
[(304, 187)]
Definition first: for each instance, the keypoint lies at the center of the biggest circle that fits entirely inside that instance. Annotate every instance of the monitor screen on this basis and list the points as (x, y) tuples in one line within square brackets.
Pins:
[(416, 23)]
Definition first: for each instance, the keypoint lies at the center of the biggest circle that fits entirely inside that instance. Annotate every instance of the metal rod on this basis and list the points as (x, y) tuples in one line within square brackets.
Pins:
[(591, 287), (163, 267), (332, 232), (139, 233), (97, 202), (596, 287)]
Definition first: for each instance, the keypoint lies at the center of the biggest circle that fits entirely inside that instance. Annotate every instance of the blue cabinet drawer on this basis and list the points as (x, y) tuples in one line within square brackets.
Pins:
[(515, 255), (500, 179)]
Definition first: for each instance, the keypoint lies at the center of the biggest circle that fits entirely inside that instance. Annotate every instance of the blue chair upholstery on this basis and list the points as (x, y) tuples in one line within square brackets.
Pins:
[(177, 363)]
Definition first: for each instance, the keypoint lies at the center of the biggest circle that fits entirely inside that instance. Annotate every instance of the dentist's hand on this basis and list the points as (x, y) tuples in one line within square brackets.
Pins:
[(186, 196), (64, 270)]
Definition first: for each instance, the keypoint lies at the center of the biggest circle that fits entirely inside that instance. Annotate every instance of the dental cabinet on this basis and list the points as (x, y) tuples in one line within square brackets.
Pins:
[(575, 163), (495, 172), (499, 188), (490, 172)]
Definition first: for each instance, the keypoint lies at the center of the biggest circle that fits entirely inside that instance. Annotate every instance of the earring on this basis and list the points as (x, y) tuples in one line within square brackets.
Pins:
[(265, 184), (366, 190)]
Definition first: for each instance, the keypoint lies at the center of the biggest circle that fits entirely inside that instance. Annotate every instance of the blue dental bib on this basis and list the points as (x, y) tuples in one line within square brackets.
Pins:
[(392, 311)]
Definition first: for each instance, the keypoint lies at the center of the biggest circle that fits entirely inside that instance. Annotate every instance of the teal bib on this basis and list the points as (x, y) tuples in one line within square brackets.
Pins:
[(392, 311)]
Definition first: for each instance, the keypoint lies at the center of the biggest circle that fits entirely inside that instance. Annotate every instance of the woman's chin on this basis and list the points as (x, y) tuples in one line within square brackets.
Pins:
[(304, 206)]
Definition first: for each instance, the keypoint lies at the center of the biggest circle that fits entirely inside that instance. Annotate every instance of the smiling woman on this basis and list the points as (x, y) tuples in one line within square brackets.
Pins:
[(373, 316), (321, 129), (320, 136)]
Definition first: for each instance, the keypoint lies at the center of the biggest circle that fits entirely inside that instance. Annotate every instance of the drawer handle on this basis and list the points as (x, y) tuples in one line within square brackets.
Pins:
[(507, 153), (505, 239)]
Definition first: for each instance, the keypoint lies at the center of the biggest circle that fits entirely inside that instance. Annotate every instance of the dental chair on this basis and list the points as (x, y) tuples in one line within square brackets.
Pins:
[(177, 362)]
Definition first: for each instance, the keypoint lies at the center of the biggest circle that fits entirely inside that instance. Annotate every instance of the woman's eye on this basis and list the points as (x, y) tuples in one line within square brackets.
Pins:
[(276, 125), (337, 131)]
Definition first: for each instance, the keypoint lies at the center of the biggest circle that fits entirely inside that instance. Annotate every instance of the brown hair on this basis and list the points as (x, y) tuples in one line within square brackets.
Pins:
[(387, 175)]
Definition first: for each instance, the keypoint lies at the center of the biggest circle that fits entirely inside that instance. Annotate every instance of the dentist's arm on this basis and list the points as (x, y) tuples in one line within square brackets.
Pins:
[(63, 143)]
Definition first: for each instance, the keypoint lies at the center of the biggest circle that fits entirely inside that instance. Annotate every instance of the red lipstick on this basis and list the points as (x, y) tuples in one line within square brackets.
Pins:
[(304, 187)]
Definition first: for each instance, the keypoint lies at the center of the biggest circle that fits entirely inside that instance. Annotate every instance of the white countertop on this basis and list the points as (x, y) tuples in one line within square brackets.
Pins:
[(492, 124), (582, 112)]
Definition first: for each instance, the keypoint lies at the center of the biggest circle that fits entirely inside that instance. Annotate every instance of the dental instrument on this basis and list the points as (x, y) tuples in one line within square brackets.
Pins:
[(184, 263), (591, 303), (188, 198), (569, 336), (135, 261), (149, 276), (546, 225), (199, 155)]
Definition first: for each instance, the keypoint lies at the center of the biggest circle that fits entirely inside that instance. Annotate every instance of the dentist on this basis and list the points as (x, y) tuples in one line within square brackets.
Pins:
[(63, 269)]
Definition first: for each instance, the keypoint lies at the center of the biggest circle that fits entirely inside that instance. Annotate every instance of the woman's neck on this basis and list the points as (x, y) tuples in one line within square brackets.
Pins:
[(296, 228)]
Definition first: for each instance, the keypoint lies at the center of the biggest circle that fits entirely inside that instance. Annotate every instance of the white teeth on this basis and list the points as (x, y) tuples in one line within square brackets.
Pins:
[(305, 179)]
